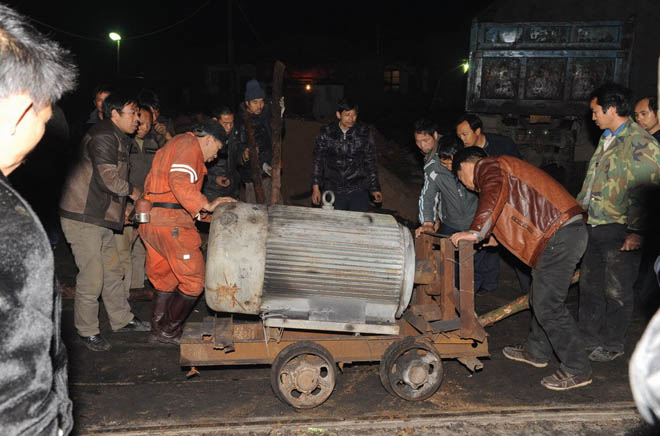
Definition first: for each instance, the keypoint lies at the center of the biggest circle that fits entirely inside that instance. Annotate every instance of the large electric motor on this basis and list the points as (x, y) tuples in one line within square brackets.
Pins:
[(308, 268)]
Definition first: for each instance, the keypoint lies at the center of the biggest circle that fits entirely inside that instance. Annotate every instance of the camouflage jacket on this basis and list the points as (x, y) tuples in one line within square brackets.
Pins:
[(612, 189)]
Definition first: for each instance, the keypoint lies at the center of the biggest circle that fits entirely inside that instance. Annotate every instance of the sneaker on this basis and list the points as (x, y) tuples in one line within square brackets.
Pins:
[(563, 381), (519, 354), (96, 343), (599, 354), (135, 325)]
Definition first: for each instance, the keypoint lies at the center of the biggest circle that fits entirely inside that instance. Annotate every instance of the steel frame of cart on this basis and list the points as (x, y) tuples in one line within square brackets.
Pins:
[(440, 323)]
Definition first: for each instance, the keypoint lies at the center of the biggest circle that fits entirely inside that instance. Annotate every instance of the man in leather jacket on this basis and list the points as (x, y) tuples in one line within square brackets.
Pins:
[(538, 221), (344, 161), (92, 208)]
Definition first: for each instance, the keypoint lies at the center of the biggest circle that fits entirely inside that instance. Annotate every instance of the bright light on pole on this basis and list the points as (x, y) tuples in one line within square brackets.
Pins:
[(117, 38), (466, 66)]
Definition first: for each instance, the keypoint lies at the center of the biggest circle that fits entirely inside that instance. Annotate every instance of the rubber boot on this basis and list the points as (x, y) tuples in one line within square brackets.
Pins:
[(171, 325), (159, 304)]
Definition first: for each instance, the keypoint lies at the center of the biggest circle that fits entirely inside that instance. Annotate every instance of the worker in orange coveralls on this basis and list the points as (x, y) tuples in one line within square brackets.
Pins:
[(175, 265)]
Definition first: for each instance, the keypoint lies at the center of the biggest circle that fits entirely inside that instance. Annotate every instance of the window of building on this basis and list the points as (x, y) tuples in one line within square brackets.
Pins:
[(392, 80)]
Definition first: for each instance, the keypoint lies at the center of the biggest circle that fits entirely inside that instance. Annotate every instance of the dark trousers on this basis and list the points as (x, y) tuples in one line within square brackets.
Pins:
[(357, 201), (552, 326), (486, 271), (606, 287)]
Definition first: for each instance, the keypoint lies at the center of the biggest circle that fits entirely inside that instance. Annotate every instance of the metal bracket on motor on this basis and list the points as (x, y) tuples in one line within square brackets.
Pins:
[(328, 200)]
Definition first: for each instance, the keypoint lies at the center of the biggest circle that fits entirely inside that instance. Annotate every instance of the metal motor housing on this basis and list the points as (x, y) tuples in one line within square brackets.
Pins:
[(309, 268)]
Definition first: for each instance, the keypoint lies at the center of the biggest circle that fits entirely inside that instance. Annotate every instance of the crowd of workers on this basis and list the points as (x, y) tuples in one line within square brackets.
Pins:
[(511, 203), (477, 188)]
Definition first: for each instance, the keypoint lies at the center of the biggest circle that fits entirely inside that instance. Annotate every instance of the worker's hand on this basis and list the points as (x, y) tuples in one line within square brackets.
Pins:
[(135, 194), (210, 207), (633, 242), (492, 242), (162, 129), (316, 195), (427, 227), (436, 225), (222, 181), (378, 197), (462, 236)]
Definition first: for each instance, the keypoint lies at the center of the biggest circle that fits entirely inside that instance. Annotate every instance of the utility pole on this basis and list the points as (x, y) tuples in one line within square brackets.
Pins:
[(230, 55)]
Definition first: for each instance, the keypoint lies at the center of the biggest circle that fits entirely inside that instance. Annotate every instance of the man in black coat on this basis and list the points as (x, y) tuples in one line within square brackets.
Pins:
[(344, 161), (223, 178), (34, 398)]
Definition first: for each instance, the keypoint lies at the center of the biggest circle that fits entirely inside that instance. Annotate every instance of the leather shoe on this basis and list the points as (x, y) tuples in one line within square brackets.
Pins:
[(96, 343), (134, 325)]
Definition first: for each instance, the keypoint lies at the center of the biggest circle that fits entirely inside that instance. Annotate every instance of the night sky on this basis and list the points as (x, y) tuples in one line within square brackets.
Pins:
[(299, 33)]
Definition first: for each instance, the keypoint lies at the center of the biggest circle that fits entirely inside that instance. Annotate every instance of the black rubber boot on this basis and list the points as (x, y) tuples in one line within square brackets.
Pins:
[(159, 304), (171, 325)]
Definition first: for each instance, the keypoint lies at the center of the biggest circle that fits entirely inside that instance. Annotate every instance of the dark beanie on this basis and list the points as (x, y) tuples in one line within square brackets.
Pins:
[(253, 90)]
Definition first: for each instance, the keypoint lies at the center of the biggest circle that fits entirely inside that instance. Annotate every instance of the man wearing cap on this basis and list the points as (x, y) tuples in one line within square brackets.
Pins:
[(175, 265)]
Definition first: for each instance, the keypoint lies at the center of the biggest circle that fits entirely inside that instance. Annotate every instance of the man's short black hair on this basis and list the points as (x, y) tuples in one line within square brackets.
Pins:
[(653, 103), (29, 62), (346, 105), (473, 120), (115, 101), (210, 127), (149, 98), (468, 154), (614, 95), (220, 111), (424, 126), (102, 87), (448, 146)]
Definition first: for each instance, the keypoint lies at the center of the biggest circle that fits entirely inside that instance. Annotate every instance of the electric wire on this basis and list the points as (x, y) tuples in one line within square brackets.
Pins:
[(126, 38)]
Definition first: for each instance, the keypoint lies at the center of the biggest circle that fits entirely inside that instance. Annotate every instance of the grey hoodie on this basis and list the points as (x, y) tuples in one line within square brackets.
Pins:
[(457, 204)]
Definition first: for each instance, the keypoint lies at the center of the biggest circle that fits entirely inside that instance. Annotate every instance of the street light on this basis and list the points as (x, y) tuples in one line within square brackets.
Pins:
[(117, 38)]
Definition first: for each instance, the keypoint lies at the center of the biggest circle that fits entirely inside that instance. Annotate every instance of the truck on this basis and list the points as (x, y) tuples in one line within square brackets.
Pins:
[(531, 81)]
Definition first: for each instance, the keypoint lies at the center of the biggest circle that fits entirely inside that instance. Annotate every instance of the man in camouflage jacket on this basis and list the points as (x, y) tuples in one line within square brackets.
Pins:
[(626, 161)]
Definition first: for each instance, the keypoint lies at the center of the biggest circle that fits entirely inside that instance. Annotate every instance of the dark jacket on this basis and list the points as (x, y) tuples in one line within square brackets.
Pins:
[(500, 145), (140, 160), (262, 136), (34, 397), (521, 205), (95, 191), (227, 164), (345, 163)]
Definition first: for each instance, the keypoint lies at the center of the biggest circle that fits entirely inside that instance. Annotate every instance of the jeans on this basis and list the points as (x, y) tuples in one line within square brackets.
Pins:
[(606, 287), (552, 326)]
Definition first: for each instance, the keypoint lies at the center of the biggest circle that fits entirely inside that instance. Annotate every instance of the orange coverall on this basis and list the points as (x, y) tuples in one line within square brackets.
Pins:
[(174, 258)]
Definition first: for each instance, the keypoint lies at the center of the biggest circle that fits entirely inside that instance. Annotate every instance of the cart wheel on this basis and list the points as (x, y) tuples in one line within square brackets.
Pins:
[(383, 370), (412, 368), (303, 375)]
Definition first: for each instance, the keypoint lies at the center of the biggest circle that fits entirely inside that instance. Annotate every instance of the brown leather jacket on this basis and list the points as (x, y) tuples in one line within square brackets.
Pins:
[(521, 205)]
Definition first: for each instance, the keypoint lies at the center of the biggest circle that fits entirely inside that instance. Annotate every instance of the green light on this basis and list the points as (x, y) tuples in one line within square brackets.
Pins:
[(466, 66), (114, 36)]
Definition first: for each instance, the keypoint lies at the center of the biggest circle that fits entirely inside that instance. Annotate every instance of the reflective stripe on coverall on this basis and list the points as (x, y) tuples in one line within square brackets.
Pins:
[(174, 258)]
